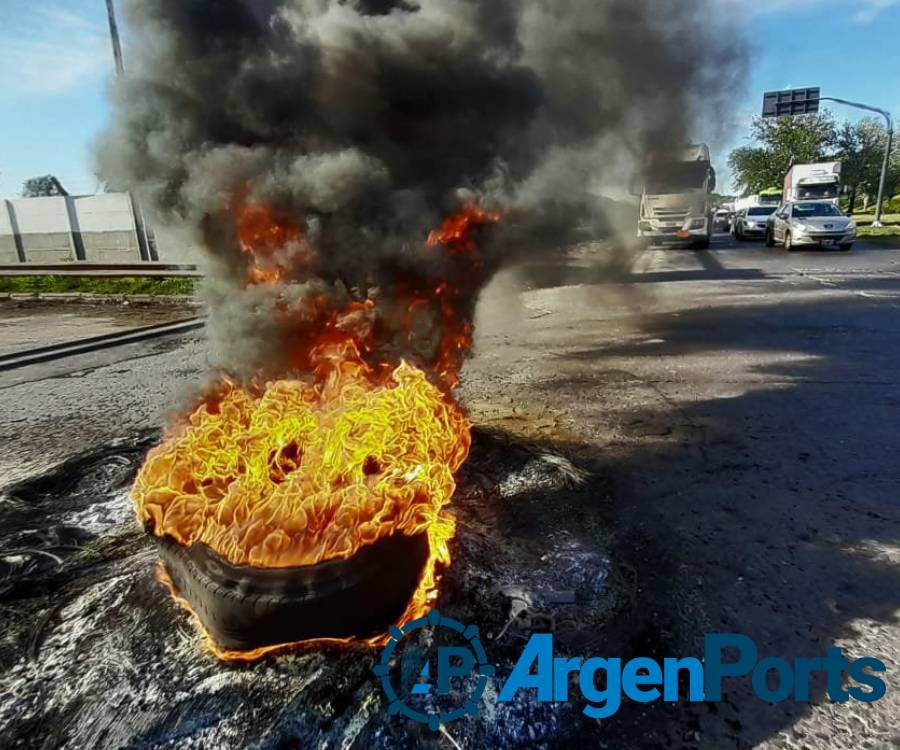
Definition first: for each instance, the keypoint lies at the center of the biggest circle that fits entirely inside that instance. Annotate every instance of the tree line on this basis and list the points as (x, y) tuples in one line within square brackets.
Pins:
[(778, 143)]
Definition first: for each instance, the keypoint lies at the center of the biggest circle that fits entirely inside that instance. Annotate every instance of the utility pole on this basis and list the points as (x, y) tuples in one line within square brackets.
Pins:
[(146, 248), (114, 33), (806, 101)]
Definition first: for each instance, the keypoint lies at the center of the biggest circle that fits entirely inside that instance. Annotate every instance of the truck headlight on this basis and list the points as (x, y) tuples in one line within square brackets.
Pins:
[(697, 224)]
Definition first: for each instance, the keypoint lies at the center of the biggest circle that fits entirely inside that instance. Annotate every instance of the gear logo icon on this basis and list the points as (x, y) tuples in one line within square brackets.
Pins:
[(442, 686)]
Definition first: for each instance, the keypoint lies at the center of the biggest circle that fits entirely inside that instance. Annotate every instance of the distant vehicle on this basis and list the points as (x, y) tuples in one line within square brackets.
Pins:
[(812, 182), (722, 220), (676, 198), (810, 223), (751, 222), (768, 197)]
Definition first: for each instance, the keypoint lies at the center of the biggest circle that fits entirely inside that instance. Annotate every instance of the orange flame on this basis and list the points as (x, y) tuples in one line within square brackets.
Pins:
[(296, 472), (272, 241), (456, 231)]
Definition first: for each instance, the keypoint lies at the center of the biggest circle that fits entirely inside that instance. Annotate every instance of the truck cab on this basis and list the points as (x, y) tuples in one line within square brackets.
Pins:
[(675, 192), (813, 182), (770, 197)]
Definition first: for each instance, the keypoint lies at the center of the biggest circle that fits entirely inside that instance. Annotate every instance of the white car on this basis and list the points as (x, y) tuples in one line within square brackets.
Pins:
[(810, 223)]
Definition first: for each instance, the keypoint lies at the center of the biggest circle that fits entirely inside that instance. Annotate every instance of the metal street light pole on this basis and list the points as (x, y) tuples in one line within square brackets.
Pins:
[(806, 102), (884, 168), (887, 151), (146, 248)]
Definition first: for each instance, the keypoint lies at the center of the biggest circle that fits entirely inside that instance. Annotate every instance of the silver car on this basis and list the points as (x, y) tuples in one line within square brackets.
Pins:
[(751, 222), (810, 223)]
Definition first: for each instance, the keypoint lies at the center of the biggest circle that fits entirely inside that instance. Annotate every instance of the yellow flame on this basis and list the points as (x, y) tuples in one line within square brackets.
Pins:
[(304, 473)]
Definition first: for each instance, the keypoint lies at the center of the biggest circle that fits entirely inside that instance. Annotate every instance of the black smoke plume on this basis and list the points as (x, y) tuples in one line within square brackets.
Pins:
[(367, 122)]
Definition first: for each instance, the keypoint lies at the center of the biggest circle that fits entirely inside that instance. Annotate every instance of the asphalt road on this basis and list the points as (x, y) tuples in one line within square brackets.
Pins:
[(743, 401)]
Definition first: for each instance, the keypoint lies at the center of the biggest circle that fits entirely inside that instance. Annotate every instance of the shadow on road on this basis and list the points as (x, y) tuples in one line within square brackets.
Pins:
[(768, 512)]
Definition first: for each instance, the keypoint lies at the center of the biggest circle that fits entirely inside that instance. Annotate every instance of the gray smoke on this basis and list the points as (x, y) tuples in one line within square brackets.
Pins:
[(368, 121)]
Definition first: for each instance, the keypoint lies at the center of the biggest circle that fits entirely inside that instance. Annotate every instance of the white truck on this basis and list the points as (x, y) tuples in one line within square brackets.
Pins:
[(813, 182), (767, 197), (676, 198), (750, 201)]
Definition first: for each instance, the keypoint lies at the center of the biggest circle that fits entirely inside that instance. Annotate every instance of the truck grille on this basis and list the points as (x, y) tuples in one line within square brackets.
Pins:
[(670, 213)]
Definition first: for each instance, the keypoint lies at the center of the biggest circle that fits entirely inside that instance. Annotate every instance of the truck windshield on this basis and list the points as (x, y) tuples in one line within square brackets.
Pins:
[(761, 210), (676, 177), (803, 210), (807, 192)]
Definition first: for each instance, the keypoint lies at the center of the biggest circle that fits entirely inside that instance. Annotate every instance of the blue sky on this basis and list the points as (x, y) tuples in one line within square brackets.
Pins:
[(56, 65), (850, 48)]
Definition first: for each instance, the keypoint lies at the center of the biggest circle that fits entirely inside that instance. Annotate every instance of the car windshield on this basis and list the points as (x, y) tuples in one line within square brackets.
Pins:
[(828, 190), (804, 210), (676, 177), (761, 210)]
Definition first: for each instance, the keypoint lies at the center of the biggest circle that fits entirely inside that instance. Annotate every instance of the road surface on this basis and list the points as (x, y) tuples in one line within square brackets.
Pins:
[(742, 400)]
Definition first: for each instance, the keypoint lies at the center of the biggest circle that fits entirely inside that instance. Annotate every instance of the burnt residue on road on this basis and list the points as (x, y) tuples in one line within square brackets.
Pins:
[(54, 531), (97, 654)]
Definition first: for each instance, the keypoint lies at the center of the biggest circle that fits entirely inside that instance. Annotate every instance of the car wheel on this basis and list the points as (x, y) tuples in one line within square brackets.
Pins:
[(845, 246), (770, 238), (788, 243)]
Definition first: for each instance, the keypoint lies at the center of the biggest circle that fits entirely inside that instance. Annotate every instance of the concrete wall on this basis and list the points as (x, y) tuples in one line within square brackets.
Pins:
[(8, 250), (94, 228), (106, 226), (176, 245), (43, 225)]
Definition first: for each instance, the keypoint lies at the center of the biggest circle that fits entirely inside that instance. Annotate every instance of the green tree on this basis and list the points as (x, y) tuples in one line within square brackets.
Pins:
[(860, 147), (778, 144), (43, 187), (849, 149)]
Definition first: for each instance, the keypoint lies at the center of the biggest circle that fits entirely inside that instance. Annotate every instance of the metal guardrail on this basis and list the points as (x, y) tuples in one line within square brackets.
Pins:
[(106, 270), (96, 343)]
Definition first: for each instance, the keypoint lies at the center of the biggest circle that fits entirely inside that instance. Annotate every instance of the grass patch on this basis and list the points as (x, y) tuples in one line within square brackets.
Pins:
[(875, 232), (155, 286), (864, 220), (890, 232)]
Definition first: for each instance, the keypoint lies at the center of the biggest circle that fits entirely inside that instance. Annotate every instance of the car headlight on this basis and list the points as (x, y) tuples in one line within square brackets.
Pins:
[(851, 227), (750, 224), (803, 228)]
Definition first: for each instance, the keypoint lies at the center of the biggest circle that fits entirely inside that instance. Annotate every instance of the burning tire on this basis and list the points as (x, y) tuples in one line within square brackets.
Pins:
[(245, 608)]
